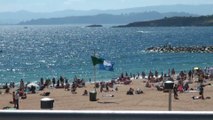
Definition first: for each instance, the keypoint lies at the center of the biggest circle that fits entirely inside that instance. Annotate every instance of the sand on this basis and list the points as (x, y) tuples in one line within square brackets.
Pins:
[(151, 99)]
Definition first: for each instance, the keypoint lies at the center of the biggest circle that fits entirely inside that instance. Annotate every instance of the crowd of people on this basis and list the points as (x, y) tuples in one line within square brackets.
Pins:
[(182, 81), (21, 91)]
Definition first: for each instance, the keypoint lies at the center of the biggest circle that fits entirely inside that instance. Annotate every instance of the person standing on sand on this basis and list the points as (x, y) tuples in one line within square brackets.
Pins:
[(169, 73), (156, 74), (16, 104), (14, 95), (175, 90), (173, 73), (53, 81), (143, 74), (21, 85)]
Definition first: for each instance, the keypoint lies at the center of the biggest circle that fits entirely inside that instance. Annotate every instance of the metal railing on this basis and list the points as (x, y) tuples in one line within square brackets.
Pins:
[(103, 115)]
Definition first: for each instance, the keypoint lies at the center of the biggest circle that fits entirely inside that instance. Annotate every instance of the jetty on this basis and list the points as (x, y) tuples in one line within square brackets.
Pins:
[(181, 49)]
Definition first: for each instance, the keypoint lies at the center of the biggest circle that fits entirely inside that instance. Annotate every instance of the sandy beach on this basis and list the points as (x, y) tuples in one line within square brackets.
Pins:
[(151, 99)]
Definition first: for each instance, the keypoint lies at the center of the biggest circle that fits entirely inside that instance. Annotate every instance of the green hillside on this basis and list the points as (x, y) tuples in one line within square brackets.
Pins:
[(174, 21)]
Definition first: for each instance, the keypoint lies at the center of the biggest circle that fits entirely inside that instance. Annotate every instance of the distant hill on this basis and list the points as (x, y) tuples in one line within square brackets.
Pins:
[(104, 18), (174, 21), (17, 17)]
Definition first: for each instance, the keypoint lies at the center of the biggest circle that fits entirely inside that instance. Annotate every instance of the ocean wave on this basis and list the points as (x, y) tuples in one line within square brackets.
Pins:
[(141, 31)]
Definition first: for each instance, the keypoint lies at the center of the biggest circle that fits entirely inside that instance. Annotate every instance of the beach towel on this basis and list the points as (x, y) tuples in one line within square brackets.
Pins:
[(108, 95), (191, 91)]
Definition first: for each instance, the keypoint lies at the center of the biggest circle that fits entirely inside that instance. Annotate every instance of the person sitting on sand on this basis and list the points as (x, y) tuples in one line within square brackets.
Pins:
[(116, 89), (33, 89), (73, 89), (148, 84), (67, 86), (138, 91), (85, 93), (199, 97), (180, 87), (130, 91), (24, 96), (7, 90), (186, 86), (45, 94)]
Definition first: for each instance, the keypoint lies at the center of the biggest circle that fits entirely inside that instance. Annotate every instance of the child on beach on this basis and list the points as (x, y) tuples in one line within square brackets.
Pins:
[(85, 93)]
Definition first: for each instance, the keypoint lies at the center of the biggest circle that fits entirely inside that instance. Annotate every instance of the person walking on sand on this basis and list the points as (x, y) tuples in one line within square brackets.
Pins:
[(201, 91)]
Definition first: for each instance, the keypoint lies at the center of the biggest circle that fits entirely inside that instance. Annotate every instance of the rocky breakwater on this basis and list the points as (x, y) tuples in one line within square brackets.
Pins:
[(191, 49)]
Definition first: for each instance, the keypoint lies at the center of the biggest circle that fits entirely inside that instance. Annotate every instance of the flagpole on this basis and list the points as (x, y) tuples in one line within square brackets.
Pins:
[(95, 73)]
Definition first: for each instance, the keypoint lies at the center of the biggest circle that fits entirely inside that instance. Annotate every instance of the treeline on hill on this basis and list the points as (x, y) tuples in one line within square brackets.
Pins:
[(174, 21)]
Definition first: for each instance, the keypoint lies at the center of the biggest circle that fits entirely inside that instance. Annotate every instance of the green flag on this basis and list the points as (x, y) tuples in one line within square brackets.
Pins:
[(96, 60)]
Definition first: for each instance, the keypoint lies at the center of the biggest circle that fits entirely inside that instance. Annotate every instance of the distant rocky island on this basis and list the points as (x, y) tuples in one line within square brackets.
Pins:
[(174, 22), (172, 49), (94, 25)]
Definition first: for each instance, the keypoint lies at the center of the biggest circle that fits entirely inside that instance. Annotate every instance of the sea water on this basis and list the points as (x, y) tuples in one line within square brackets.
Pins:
[(32, 52)]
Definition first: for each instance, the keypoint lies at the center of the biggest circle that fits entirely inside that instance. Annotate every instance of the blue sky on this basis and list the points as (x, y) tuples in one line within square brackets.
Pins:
[(55, 5)]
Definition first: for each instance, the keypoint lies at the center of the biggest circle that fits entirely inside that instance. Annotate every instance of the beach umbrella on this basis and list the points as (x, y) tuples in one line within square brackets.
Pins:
[(32, 84)]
